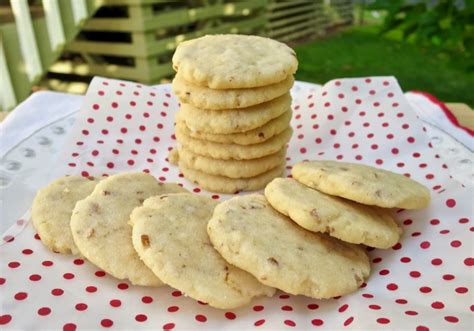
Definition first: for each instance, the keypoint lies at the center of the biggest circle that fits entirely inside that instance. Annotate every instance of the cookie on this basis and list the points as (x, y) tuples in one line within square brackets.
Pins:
[(100, 228), (251, 235), (223, 184), (52, 209), (169, 234), (206, 98), (342, 219), (255, 136), (363, 184), (234, 151), (233, 120), (234, 61), (173, 156), (231, 168)]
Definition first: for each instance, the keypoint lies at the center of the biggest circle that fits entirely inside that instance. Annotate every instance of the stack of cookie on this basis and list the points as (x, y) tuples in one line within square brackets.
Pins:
[(234, 121)]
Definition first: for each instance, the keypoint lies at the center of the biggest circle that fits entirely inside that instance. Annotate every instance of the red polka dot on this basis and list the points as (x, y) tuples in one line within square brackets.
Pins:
[(450, 203), (57, 292), (422, 328), (21, 296), (461, 290), (463, 220), (168, 326), (258, 308), (313, 306), (122, 286), (302, 150), (437, 305), (115, 303), (343, 308), (230, 315), (448, 277), (436, 262), (91, 289), (95, 106), (451, 319), (411, 313), (14, 265), (78, 261), (201, 318), (348, 321), (425, 245), (383, 320), (173, 309), (81, 307), (5, 319), (384, 272), (44, 311), (392, 287), (8, 239), (106, 323), (147, 299), (69, 327), (287, 308), (35, 278), (289, 323), (375, 307), (27, 251), (415, 274), (68, 275), (425, 289), (114, 105), (317, 322), (259, 322), (141, 318)]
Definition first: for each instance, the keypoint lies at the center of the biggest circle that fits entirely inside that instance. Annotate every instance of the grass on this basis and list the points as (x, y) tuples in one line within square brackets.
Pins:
[(360, 51)]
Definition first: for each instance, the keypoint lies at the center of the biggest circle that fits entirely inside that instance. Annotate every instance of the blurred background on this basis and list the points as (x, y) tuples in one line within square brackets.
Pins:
[(61, 44)]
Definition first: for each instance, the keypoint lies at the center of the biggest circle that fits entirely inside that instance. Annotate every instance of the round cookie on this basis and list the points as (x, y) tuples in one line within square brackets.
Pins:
[(227, 121), (234, 61), (251, 235), (231, 168), (342, 219), (169, 234), (234, 151), (255, 136), (52, 209), (206, 98), (363, 184), (223, 184), (100, 228)]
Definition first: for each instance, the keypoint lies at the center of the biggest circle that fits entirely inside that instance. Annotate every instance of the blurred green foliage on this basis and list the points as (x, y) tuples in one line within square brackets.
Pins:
[(445, 23), (360, 51)]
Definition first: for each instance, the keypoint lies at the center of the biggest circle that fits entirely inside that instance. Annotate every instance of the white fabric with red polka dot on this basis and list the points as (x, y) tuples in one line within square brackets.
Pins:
[(422, 283)]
